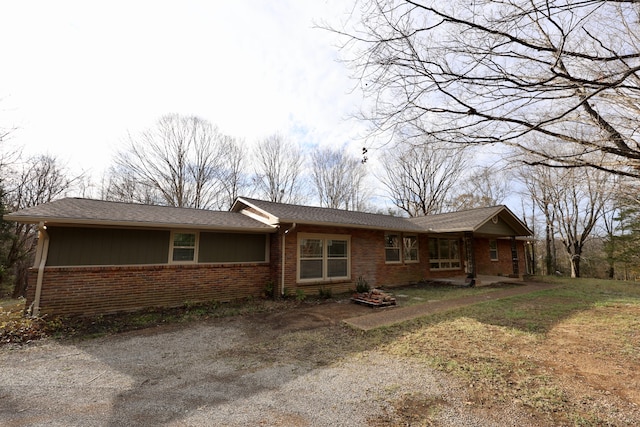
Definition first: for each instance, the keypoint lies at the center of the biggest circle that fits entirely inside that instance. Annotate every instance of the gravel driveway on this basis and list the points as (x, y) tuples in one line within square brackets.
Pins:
[(264, 370)]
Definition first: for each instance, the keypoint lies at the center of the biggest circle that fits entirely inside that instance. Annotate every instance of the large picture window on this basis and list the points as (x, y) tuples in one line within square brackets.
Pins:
[(323, 257), (444, 254)]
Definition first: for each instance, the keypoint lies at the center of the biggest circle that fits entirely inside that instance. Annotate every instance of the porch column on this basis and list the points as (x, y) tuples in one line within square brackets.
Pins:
[(470, 254), (514, 257)]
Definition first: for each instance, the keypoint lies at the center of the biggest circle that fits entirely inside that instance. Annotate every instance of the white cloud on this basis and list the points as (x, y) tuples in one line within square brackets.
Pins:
[(79, 75)]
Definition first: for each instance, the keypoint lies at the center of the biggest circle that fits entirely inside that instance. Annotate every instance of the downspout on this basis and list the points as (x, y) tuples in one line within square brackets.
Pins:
[(41, 260), (284, 235)]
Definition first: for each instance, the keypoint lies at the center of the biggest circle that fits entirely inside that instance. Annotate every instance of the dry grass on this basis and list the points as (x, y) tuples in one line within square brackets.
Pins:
[(15, 327), (563, 354)]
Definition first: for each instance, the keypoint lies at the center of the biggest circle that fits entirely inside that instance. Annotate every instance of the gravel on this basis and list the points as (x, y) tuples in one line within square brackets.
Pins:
[(208, 373)]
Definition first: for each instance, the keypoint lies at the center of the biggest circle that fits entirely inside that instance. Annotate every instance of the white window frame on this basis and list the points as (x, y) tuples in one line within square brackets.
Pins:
[(325, 257), (195, 247), (495, 241)]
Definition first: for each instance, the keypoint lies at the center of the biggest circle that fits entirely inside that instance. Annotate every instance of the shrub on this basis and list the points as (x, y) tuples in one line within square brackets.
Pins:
[(324, 293), (270, 289), (362, 285)]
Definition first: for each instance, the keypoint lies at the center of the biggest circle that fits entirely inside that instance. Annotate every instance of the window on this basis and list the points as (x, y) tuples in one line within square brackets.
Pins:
[(493, 249), (323, 257), (311, 257), (410, 248), (183, 247), (392, 247), (444, 254)]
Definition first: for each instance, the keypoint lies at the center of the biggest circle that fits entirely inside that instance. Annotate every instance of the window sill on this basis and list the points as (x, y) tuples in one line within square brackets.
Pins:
[(323, 281)]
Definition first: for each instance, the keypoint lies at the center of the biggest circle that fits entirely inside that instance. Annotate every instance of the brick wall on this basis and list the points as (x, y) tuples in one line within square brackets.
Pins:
[(503, 266), (90, 291), (367, 260), (102, 290)]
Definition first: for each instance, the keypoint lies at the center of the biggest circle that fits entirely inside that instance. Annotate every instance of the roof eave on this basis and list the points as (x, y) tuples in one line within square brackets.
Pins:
[(132, 224), (270, 219), (346, 225)]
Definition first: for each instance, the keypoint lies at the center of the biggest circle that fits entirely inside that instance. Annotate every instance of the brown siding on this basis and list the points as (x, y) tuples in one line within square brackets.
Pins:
[(90, 291), (232, 247), (106, 246)]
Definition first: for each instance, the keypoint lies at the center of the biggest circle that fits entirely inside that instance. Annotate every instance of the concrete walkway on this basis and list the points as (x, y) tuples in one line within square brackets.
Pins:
[(393, 315)]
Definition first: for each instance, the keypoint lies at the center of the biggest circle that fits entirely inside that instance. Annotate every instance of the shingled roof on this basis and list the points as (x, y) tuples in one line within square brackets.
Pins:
[(253, 215), (282, 213), (99, 212), (470, 220)]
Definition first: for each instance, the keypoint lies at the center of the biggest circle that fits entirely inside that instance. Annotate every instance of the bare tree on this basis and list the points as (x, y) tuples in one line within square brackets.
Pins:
[(122, 185), (232, 177), (279, 170), (539, 183), (495, 71), (339, 179), (484, 186), (419, 179), (40, 179), (573, 201), (183, 161)]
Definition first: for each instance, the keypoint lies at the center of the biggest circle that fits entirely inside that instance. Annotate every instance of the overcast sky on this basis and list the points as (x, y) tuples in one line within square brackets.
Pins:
[(76, 76)]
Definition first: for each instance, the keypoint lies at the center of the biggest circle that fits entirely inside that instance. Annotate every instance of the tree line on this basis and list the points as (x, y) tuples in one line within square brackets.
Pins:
[(186, 161)]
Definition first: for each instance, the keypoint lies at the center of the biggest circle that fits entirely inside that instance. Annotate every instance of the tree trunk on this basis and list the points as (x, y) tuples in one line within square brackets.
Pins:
[(21, 276), (548, 256)]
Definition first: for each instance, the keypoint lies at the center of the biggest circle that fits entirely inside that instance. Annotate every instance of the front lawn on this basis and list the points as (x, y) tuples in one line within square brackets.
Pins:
[(563, 352)]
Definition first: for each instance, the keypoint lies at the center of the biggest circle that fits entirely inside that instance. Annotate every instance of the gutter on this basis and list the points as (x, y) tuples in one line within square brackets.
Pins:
[(41, 261), (284, 235)]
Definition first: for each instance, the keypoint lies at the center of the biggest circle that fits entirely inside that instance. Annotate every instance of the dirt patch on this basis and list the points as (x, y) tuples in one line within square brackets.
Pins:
[(591, 361), (311, 316)]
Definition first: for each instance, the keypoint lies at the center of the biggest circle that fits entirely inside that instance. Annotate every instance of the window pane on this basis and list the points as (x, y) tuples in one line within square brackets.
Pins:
[(311, 248), (410, 248), (392, 255), (391, 241), (184, 239), (337, 248), (392, 247), (183, 254), (455, 252), (337, 268), (433, 248), (493, 249), (311, 269), (444, 248)]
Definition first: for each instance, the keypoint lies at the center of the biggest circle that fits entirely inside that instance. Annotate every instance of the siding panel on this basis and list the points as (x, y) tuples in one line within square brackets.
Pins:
[(106, 246), (232, 247)]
